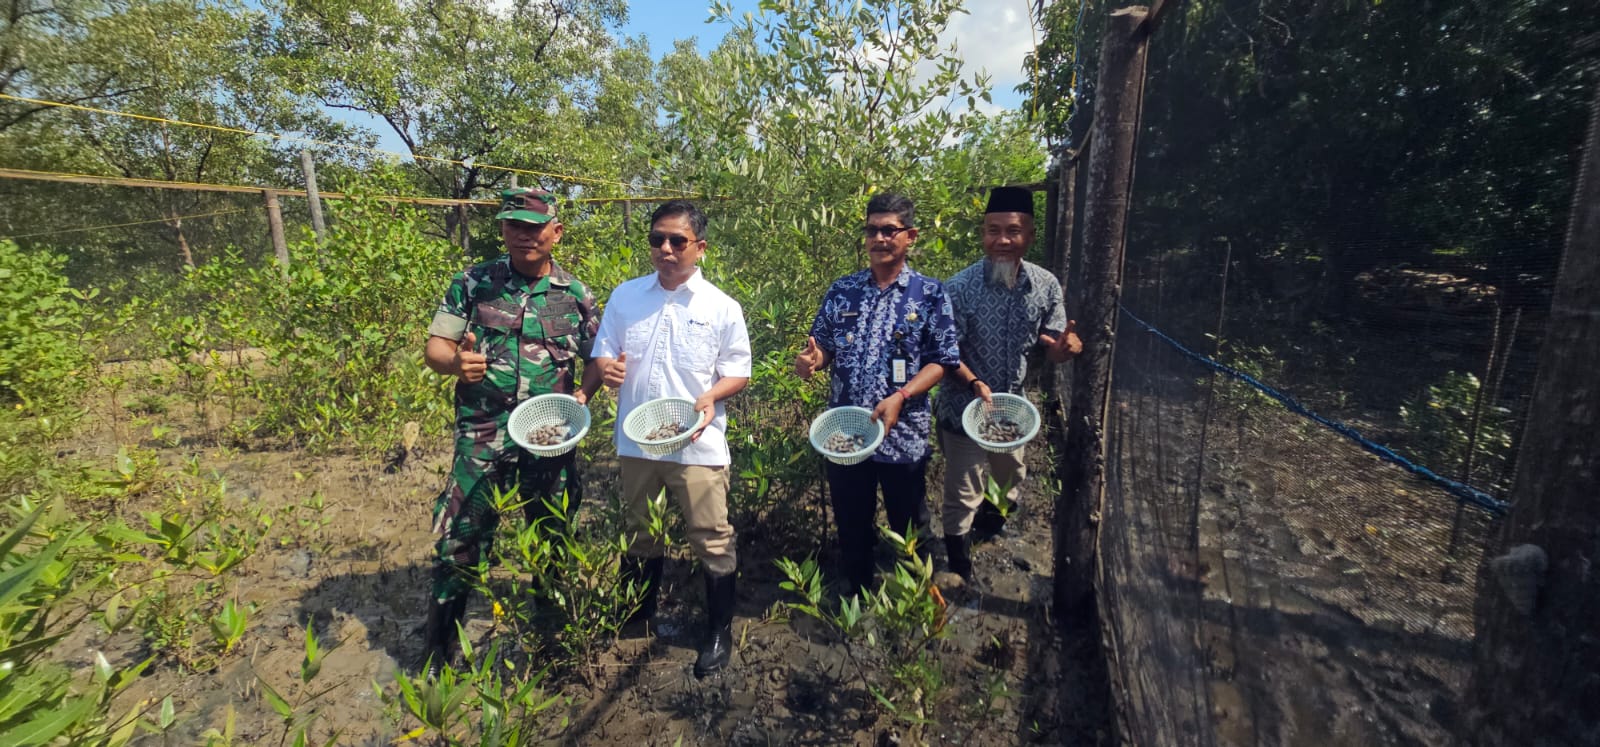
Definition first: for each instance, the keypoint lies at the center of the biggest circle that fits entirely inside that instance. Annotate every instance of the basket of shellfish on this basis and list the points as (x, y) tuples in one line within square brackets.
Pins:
[(846, 435), (662, 426), (549, 425), (1005, 425)]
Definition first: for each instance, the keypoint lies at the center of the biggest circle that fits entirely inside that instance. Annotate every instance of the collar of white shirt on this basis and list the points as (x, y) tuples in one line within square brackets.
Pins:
[(694, 284)]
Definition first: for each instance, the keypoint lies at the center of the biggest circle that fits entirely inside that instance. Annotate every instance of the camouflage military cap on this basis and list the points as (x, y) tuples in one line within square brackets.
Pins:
[(527, 204)]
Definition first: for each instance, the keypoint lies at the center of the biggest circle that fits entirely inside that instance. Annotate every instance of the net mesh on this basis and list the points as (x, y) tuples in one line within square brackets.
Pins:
[(1266, 578)]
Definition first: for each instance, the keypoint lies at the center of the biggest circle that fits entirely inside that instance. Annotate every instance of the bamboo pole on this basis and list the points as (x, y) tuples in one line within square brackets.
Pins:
[(280, 244), (312, 197)]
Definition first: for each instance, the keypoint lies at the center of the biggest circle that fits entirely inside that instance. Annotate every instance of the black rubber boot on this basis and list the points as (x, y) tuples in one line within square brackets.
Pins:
[(988, 522), (439, 634), (958, 549), (718, 648), (646, 572)]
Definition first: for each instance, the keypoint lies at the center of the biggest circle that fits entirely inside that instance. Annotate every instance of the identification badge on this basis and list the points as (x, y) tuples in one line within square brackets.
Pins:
[(897, 370)]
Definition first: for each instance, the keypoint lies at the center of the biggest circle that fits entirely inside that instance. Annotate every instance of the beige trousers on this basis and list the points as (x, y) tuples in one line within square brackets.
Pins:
[(964, 466), (702, 496)]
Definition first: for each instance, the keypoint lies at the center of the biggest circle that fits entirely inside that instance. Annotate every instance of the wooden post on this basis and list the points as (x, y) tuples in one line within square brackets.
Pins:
[(466, 230), (1065, 199), (313, 197), (1537, 679), (627, 218), (1110, 181), (1057, 378), (280, 245), (513, 180)]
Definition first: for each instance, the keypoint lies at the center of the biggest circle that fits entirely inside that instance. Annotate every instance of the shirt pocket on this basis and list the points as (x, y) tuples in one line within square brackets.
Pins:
[(701, 343), (498, 321), (844, 325), (556, 326)]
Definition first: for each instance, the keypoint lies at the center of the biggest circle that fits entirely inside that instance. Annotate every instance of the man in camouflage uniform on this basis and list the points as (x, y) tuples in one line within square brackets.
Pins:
[(508, 329)]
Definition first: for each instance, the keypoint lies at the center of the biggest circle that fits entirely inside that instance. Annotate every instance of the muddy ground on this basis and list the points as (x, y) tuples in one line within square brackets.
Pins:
[(1271, 583), (361, 578)]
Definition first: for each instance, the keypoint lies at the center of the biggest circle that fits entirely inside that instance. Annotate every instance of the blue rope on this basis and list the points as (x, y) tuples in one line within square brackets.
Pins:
[(1464, 493)]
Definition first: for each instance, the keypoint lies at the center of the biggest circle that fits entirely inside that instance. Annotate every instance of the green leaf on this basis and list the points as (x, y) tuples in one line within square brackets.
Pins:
[(19, 579), (15, 537), (168, 713), (275, 700), (47, 726)]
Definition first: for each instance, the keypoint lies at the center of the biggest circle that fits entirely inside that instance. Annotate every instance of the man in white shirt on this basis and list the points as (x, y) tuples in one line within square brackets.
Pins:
[(674, 334)]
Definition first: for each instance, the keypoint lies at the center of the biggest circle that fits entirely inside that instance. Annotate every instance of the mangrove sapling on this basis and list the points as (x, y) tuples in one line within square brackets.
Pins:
[(998, 494), (298, 715), (893, 628), (561, 593)]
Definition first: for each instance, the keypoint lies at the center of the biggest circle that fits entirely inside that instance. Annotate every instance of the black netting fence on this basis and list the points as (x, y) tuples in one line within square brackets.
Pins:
[(1358, 210)]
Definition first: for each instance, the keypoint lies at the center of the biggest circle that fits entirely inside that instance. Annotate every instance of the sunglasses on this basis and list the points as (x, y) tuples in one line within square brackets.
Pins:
[(887, 232), (678, 241)]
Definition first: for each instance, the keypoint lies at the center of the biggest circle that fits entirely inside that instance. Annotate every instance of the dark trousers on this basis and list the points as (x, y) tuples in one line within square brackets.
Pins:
[(854, 489)]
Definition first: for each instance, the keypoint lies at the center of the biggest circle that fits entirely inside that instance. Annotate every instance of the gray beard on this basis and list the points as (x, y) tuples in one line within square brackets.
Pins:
[(1004, 273)]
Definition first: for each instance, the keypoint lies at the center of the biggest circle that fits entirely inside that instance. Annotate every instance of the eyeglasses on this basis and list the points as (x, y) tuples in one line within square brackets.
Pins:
[(678, 241), (887, 232)]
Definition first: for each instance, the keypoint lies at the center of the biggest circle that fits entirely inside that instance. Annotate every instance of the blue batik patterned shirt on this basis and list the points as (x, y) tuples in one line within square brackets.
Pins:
[(864, 328), (998, 325)]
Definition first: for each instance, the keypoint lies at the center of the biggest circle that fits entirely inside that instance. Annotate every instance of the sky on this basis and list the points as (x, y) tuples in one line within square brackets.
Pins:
[(993, 35)]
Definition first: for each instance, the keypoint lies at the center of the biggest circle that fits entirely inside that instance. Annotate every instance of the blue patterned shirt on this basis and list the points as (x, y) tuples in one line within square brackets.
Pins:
[(998, 326), (864, 328)]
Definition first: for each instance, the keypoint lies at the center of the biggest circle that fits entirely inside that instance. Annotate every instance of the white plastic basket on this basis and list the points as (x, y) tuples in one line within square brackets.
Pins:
[(1009, 406), (544, 410), (854, 421), (656, 413)]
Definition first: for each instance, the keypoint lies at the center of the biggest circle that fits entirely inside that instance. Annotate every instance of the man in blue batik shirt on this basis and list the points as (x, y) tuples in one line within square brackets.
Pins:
[(889, 334)]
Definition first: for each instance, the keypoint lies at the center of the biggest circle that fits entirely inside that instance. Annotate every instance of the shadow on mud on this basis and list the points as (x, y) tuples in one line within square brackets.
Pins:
[(389, 604)]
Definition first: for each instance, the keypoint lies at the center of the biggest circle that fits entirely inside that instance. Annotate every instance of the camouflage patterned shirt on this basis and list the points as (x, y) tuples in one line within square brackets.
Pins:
[(531, 330)]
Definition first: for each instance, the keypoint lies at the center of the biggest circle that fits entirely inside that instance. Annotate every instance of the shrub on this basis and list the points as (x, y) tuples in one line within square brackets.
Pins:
[(344, 345), (1439, 430), (42, 356)]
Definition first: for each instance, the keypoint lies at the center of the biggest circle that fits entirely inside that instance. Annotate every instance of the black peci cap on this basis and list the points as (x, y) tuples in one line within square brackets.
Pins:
[(1010, 200)]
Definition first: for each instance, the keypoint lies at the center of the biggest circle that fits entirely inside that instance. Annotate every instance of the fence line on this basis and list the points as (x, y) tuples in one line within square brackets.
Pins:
[(1465, 493), (120, 225), (117, 181), (314, 141)]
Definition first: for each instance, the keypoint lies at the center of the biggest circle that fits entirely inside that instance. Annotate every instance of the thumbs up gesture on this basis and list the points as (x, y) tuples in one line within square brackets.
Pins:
[(809, 360), (470, 365), (1063, 347), (612, 372)]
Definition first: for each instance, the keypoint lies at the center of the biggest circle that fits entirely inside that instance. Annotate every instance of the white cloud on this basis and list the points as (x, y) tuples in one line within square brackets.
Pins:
[(994, 35)]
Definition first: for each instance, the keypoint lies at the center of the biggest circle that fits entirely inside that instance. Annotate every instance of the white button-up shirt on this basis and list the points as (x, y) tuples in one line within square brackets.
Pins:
[(679, 343)]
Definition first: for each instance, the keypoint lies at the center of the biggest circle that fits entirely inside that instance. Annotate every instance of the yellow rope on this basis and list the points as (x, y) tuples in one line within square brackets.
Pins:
[(120, 225), (313, 141), (119, 181)]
